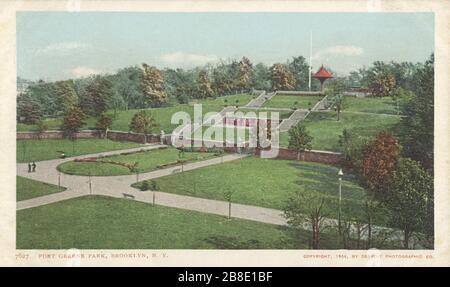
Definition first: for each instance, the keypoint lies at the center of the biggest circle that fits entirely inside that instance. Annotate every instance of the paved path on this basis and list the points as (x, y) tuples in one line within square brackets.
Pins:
[(107, 185), (117, 186), (268, 108)]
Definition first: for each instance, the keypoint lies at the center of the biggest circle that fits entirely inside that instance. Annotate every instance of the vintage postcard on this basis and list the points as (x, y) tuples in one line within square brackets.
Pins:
[(263, 133)]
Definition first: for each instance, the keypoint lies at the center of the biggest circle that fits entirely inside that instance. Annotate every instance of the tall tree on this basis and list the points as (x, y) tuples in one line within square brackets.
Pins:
[(379, 160), (282, 78), (103, 123), (66, 94), (181, 84), (301, 210), (416, 129), (127, 84), (351, 146), (261, 77), (299, 139), (233, 70), (335, 92), (153, 86), (410, 199), (382, 85), (300, 70), (85, 101), (99, 90), (143, 122), (73, 121), (245, 74), (222, 81), (44, 95), (204, 85), (28, 110)]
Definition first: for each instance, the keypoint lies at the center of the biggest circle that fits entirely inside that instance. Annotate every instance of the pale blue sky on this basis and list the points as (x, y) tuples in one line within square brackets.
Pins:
[(58, 45)]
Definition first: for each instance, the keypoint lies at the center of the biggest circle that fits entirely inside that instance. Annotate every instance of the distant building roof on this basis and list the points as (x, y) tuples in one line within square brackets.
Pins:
[(322, 73)]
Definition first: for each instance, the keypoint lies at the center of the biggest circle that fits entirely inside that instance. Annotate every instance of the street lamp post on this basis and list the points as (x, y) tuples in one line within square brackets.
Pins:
[(90, 184), (59, 179), (340, 174)]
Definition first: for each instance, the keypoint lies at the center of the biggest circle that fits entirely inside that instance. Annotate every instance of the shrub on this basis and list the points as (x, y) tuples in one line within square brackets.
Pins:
[(145, 186)]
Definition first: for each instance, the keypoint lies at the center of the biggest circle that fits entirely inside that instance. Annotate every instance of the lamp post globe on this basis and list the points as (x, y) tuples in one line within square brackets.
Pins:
[(340, 174)]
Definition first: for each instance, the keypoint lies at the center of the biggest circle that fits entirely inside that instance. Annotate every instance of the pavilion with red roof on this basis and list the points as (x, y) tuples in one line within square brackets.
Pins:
[(322, 74)]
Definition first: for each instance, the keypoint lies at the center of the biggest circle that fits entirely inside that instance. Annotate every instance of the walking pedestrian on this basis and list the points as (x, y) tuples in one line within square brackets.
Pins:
[(34, 166), (29, 167)]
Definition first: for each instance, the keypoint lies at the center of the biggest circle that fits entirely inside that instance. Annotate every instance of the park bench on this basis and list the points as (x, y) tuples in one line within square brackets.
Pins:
[(177, 170), (127, 195)]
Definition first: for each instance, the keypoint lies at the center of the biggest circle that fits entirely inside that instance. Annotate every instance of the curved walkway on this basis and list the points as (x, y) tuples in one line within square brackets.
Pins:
[(78, 185), (117, 186)]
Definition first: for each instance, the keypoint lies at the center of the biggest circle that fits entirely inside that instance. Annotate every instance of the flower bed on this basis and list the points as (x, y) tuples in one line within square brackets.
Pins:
[(87, 159), (130, 166)]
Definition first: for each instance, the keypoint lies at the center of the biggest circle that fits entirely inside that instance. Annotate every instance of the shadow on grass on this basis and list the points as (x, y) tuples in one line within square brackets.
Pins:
[(325, 179)]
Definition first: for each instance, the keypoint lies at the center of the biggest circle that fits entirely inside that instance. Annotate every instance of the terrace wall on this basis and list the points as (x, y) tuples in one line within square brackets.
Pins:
[(133, 137), (299, 93), (246, 122), (188, 142), (90, 134), (54, 135), (326, 157)]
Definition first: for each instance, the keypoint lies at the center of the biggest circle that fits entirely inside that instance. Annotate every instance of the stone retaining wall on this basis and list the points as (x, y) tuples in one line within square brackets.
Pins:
[(325, 157), (90, 134), (55, 135), (300, 93), (134, 137)]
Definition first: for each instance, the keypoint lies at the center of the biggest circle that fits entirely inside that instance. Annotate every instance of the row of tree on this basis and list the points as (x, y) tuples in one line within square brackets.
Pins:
[(393, 182), (415, 130), (396, 167), (146, 86), (142, 87)]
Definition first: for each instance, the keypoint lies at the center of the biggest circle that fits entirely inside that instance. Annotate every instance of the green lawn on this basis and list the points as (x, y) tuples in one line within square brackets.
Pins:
[(28, 188), (36, 150), (121, 119), (282, 114), (303, 102), (162, 117), (96, 222), (268, 183), (242, 99), (326, 130), (54, 124), (147, 161), (370, 105)]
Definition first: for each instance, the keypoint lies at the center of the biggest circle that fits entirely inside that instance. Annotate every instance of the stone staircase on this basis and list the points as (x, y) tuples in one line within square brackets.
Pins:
[(260, 100), (301, 114), (322, 105), (296, 117)]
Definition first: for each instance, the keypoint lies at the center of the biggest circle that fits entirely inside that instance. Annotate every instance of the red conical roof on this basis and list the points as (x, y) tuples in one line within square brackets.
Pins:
[(322, 73)]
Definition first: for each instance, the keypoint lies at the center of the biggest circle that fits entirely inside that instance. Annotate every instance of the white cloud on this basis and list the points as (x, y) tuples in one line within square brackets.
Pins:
[(83, 71), (188, 59), (62, 47), (339, 51)]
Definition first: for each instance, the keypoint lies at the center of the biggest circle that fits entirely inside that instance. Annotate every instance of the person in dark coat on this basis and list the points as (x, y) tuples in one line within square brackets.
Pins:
[(34, 166), (29, 167)]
